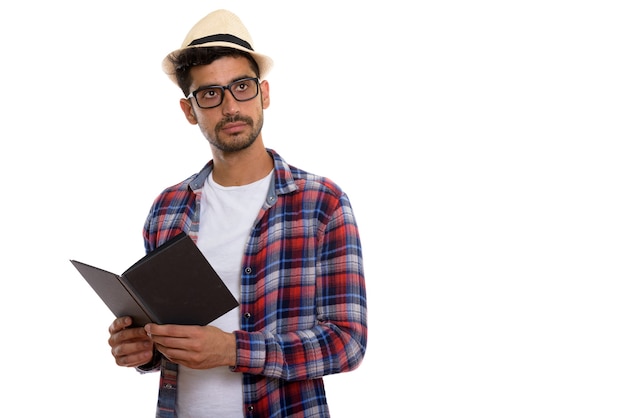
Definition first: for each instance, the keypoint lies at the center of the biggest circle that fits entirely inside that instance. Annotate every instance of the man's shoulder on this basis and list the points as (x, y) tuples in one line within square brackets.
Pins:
[(181, 187), (291, 178), (306, 180), (188, 185), (176, 195)]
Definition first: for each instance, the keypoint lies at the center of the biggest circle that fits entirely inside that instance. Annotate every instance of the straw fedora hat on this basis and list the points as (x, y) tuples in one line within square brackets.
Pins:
[(219, 28)]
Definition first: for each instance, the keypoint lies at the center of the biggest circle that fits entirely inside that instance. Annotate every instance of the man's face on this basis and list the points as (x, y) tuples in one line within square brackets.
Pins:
[(233, 125)]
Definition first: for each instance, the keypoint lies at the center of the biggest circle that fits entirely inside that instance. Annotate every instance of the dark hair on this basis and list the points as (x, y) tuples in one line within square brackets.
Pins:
[(191, 57)]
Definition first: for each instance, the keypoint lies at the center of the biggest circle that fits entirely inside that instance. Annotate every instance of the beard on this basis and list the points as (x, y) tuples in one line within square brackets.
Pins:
[(233, 143)]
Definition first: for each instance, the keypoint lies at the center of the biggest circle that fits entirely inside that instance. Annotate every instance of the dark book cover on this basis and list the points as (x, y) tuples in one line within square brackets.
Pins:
[(174, 284)]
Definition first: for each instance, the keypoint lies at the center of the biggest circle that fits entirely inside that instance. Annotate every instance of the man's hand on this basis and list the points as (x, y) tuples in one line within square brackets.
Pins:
[(196, 347), (131, 347)]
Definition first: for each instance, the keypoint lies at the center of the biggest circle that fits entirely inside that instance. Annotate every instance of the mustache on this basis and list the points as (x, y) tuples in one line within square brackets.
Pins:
[(232, 119)]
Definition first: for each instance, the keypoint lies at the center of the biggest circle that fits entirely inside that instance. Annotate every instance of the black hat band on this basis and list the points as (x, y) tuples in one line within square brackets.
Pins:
[(222, 37)]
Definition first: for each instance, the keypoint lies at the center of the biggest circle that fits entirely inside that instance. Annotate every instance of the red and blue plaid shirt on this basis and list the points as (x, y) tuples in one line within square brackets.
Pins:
[(303, 303)]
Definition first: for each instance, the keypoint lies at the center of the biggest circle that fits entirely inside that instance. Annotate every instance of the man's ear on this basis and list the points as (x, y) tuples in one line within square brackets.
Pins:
[(265, 94), (187, 109)]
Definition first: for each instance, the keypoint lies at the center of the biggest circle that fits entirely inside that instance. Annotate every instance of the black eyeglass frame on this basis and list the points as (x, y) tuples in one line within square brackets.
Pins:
[(223, 89)]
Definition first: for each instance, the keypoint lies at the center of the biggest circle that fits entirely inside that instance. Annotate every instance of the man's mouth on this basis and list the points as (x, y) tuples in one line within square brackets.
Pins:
[(233, 128)]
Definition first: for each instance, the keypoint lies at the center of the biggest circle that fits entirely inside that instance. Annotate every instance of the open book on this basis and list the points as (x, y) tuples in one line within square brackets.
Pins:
[(174, 284)]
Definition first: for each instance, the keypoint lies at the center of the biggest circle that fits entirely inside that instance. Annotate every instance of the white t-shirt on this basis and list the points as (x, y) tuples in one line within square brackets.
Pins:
[(226, 217)]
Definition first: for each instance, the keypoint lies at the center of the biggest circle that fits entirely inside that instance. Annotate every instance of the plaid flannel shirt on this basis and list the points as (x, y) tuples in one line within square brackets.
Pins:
[(303, 301)]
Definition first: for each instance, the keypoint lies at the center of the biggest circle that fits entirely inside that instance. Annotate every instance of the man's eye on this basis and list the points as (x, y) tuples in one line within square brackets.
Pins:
[(209, 94)]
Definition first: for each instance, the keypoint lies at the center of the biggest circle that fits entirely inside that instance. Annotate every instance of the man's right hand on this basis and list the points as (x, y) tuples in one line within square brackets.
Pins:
[(130, 346)]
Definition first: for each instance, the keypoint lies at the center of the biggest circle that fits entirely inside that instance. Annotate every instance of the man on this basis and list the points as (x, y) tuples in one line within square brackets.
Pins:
[(283, 240)]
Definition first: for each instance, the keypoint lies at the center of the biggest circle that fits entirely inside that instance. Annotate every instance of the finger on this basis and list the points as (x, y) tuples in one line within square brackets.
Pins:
[(177, 331), (133, 355), (171, 343), (131, 348), (128, 335), (119, 324), (172, 354)]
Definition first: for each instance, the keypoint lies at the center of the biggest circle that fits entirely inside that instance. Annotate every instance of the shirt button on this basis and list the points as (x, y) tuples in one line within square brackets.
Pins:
[(248, 270), (247, 315)]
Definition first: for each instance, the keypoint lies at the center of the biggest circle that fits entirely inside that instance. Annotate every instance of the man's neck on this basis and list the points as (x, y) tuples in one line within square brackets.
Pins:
[(242, 167)]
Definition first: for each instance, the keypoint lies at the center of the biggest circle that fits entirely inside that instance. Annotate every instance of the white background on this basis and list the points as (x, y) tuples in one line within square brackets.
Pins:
[(480, 142)]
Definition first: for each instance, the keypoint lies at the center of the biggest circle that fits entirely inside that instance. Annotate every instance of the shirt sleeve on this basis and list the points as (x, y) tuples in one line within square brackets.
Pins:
[(337, 339)]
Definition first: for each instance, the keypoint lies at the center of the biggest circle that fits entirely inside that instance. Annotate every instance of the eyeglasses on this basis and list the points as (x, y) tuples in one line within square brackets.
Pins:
[(213, 96)]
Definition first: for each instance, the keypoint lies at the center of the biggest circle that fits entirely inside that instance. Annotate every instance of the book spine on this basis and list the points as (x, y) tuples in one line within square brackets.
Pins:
[(139, 301)]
